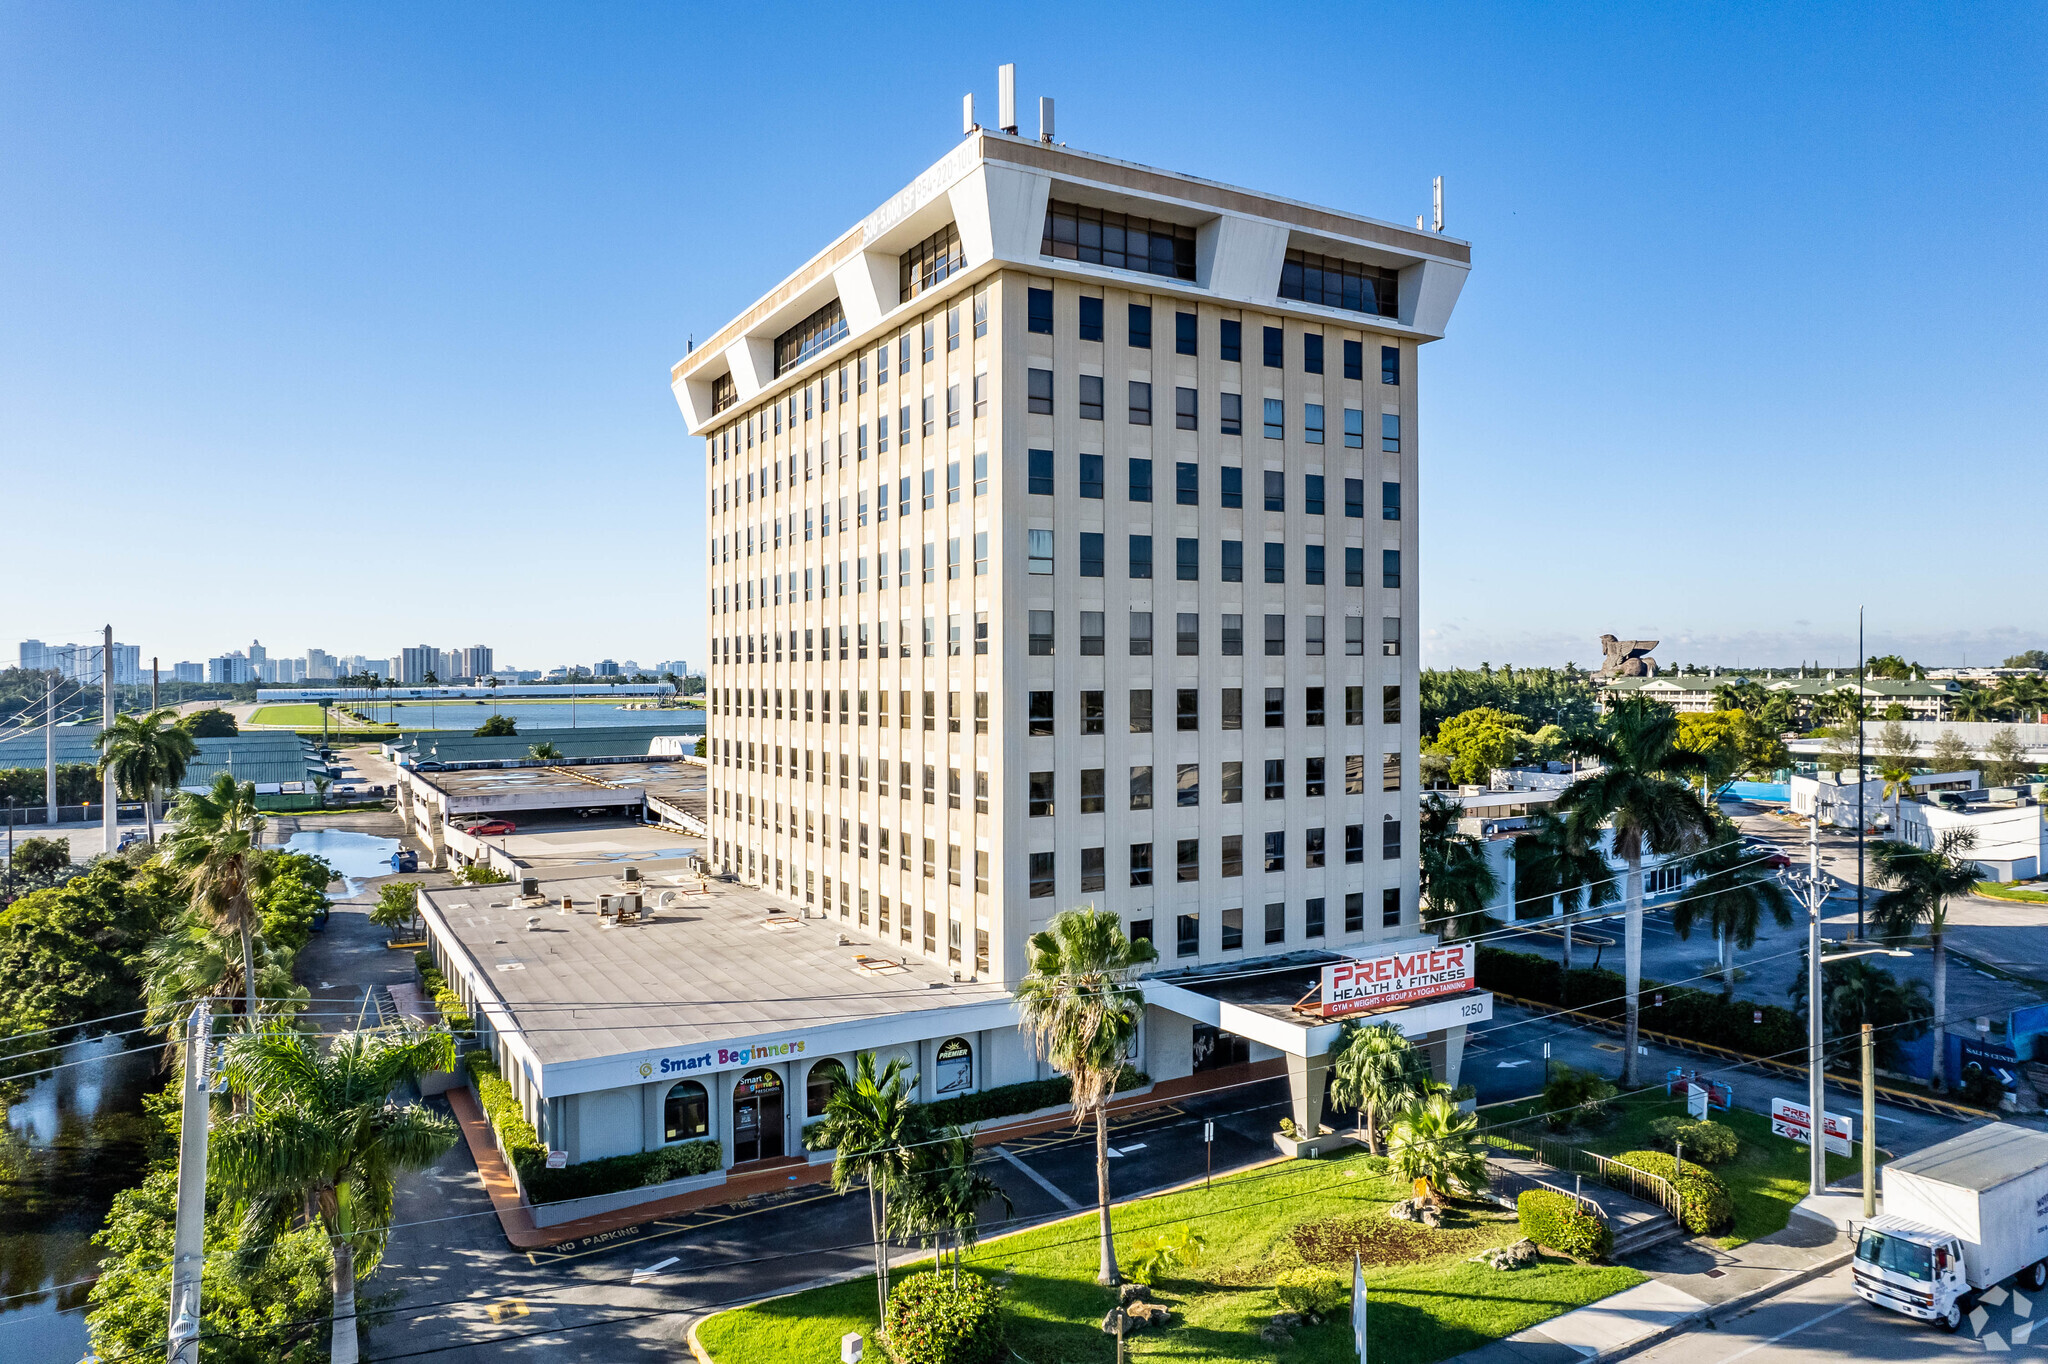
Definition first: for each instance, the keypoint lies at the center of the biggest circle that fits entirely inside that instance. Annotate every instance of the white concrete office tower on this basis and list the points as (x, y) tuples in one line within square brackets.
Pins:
[(1063, 528)]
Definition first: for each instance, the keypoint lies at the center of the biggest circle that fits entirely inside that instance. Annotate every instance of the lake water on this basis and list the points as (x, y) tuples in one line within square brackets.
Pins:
[(467, 715), (72, 1142), (353, 855)]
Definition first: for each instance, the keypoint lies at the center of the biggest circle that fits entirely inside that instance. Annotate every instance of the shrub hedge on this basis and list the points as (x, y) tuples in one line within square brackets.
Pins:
[(1006, 1101), (445, 999), (1711, 1143), (932, 1321), (1696, 1015), (1556, 1220), (1312, 1292), (1709, 1207)]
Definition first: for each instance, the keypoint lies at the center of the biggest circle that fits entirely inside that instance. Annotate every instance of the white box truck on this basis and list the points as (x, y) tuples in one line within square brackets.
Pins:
[(1958, 1218)]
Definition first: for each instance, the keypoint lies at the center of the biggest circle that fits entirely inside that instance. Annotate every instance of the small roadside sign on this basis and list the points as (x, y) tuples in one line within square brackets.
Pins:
[(558, 1160), (1696, 1101), (850, 1348)]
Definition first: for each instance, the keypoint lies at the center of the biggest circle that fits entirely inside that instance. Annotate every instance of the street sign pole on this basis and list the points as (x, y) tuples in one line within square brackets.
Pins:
[(1209, 1152)]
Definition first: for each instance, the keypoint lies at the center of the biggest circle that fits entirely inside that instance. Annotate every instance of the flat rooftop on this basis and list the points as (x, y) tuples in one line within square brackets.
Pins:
[(671, 779), (731, 962)]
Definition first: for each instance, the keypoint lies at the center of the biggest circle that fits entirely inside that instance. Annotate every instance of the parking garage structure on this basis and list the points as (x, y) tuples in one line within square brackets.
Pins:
[(436, 802)]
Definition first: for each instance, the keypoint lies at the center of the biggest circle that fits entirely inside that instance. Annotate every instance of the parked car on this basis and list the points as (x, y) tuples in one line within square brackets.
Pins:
[(1767, 856), (430, 767), (494, 826)]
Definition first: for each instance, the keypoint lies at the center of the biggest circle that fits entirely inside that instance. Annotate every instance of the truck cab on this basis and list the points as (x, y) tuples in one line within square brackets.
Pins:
[(1910, 1268)]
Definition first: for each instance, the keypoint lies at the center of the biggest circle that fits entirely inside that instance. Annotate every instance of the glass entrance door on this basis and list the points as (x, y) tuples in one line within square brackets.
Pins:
[(757, 1116)]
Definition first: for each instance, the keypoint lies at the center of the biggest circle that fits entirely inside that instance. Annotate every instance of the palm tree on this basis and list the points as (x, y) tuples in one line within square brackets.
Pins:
[(320, 1140), (1554, 864), (190, 961), (943, 1195), (1921, 883), (1975, 704), (1435, 1142), (1859, 991), (545, 751), (1458, 883), (1081, 1006), (1377, 1070), (1731, 892), (1640, 793), (1898, 784), (147, 754), (213, 846), (871, 1123)]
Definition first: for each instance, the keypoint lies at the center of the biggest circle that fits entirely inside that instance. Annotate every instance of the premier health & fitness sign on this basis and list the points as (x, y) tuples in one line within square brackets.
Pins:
[(1363, 983)]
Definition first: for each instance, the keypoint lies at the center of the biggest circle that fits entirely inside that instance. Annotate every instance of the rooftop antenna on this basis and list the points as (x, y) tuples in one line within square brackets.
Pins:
[(1006, 98), (968, 127), (1045, 119), (1437, 195)]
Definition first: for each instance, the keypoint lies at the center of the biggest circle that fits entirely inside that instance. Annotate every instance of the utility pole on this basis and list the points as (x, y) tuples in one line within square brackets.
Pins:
[(154, 678), (1812, 890), (1869, 1124), (110, 809), (188, 1251), (1859, 772), (50, 748)]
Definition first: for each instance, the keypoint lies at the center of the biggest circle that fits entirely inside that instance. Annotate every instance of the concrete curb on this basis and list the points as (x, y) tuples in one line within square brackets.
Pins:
[(1732, 1307)]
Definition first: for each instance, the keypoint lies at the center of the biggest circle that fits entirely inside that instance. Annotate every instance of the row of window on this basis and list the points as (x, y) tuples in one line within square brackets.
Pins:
[(760, 867), (1187, 559), (1038, 394), (1187, 783), (765, 703), (729, 494), (1229, 337), (1188, 927), (1139, 869), (1041, 480), (1188, 637)]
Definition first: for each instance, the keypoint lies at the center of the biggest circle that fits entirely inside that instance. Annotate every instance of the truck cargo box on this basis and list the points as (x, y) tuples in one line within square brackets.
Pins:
[(1989, 1187)]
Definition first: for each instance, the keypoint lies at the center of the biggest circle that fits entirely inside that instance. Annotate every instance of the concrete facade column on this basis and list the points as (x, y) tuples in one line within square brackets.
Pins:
[(1306, 1078)]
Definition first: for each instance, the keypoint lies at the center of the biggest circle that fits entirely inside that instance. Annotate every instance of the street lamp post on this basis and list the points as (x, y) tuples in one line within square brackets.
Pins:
[(1813, 887)]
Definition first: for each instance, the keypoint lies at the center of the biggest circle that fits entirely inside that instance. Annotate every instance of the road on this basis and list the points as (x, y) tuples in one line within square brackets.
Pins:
[(1824, 1319)]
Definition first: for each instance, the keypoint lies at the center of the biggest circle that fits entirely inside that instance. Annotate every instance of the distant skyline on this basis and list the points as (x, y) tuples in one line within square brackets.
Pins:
[(362, 315)]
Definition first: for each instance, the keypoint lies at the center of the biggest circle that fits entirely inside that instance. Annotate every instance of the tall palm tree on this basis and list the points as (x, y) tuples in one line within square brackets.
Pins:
[(1731, 892), (190, 961), (545, 751), (1458, 883), (1377, 1071), (943, 1195), (320, 1140), (214, 846), (1898, 784), (1640, 793), (1920, 884), (147, 754), (1080, 1005), (1975, 704), (871, 1123), (1436, 1142), (1555, 864)]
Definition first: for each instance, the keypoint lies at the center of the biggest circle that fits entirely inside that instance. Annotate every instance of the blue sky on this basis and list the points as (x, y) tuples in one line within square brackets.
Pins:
[(349, 326)]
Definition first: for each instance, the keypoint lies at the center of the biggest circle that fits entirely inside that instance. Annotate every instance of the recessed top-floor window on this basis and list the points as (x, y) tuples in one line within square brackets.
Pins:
[(821, 329), (927, 264), (724, 393), (1120, 240), (1335, 283)]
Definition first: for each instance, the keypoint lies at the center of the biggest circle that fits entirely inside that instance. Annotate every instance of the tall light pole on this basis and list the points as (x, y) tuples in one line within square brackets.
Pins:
[(188, 1247), (110, 808), (1812, 888)]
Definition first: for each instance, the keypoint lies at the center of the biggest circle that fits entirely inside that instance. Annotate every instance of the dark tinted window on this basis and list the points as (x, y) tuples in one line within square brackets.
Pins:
[(1276, 355), (1091, 559), (1184, 333), (1354, 359), (1312, 353), (1390, 364), (1039, 472), (1354, 497), (1091, 319), (1040, 303), (1091, 398), (1390, 501), (1186, 484), (1233, 561), (1141, 556), (1230, 340), (1141, 326), (1141, 480), (1187, 558), (1038, 384), (1091, 476), (1233, 486)]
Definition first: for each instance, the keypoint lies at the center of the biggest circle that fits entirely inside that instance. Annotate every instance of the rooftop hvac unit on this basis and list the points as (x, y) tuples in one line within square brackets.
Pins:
[(529, 886)]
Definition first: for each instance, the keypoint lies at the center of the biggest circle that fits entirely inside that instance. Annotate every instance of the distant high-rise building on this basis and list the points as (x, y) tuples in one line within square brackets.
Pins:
[(127, 664), (476, 662), (319, 665), (32, 655), (415, 663), (227, 670), (607, 668), (188, 672), (258, 655)]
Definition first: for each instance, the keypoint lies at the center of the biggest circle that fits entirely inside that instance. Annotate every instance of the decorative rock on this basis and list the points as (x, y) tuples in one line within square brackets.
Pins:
[(1137, 1316), (1407, 1210), (1133, 1292), (1431, 1216), (1519, 1255), (1279, 1327)]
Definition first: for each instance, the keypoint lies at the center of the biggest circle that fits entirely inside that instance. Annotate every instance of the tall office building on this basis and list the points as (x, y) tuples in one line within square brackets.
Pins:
[(319, 665), (413, 665), (188, 672), (476, 662), (32, 655), (127, 664), (1062, 550)]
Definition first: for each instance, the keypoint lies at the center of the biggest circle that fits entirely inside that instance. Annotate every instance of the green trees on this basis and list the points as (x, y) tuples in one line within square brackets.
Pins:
[(1376, 1071), (1640, 794), (398, 903), (1890, 668), (213, 723), (1859, 991), (213, 847), (1437, 1142), (545, 751), (870, 1125), (1477, 741), (147, 754), (1556, 864), (1081, 1006), (2032, 658), (1919, 885), (2007, 763), (1731, 892), (319, 1140), (498, 726), (1950, 754), (940, 1197), (42, 859), (1544, 696), (1458, 883)]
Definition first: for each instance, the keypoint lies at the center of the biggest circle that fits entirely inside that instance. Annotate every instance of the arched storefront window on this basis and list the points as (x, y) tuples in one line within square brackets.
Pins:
[(825, 1077), (686, 1113), (954, 1071)]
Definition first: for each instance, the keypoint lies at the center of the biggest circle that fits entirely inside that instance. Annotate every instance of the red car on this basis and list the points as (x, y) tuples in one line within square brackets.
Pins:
[(494, 826)]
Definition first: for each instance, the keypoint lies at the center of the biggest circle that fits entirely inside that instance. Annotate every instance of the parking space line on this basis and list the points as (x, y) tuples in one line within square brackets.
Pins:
[(1040, 1180)]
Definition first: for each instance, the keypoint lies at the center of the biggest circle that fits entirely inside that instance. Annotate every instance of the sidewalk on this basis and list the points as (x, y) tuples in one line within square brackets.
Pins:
[(1691, 1281)]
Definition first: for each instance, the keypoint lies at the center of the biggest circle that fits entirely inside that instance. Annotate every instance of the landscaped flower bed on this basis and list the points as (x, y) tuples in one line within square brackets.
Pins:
[(1429, 1299)]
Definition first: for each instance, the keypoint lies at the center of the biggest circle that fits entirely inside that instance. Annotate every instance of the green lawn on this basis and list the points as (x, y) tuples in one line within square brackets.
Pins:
[(1427, 1301), (1767, 1177), (297, 714), (1998, 890)]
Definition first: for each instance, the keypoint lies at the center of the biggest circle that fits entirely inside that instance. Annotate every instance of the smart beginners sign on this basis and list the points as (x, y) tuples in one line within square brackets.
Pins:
[(1354, 986)]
